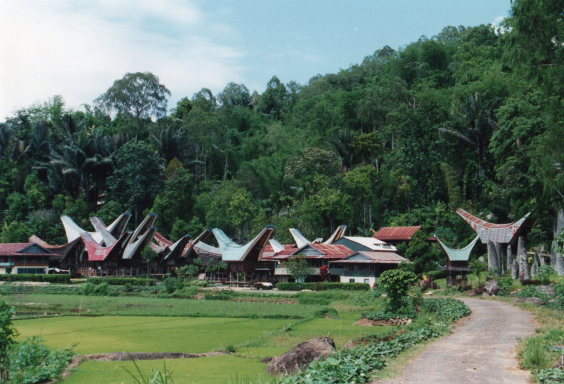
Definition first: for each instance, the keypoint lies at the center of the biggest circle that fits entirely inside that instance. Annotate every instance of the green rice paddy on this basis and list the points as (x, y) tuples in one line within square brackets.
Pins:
[(210, 370), (139, 324)]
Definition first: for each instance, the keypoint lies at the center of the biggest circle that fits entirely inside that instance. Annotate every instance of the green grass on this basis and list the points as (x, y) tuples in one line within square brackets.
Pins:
[(146, 334), (208, 370), (260, 325), (341, 330), (145, 306)]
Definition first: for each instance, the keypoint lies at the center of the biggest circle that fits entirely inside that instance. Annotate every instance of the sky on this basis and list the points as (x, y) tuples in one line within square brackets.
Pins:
[(78, 48)]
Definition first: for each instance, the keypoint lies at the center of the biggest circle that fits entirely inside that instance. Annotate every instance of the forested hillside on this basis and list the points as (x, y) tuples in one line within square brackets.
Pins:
[(469, 118)]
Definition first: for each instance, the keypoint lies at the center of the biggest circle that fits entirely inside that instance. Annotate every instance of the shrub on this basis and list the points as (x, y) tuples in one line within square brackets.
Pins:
[(186, 292), (323, 286), (434, 275), (545, 273), (397, 284), (143, 281), (8, 289), (102, 289), (505, 285), (33, 362), (7, 334), (59, 279), (446, 310), (551, 376), (170, 284), (531, 291), (558, 299)]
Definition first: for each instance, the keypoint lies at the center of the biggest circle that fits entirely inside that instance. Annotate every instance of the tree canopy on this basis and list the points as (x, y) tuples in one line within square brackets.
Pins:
[(471, 117)]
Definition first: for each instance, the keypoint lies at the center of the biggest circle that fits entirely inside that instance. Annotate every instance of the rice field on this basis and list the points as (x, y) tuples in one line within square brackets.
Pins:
[(253, 330)]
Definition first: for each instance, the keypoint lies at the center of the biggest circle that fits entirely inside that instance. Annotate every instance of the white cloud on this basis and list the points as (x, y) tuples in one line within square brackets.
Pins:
[(498, 20), (77, 49)]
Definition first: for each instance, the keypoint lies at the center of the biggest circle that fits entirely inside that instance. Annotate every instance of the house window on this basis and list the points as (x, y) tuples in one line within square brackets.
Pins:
[(351, 280), (33, 271), (367, 281)]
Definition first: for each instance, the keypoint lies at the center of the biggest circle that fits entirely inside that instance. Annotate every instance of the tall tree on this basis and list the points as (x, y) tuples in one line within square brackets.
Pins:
[(137, 177), (138, 94)]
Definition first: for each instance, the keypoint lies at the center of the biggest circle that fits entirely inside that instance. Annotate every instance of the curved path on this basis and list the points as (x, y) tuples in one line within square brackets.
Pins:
[(481, 350)]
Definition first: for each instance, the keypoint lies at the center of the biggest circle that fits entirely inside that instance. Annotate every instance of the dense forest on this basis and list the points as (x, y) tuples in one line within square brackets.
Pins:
[(471, 117)]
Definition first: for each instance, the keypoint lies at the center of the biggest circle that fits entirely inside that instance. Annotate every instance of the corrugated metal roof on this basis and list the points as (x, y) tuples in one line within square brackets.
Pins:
[(328, 251), (377, 258), (372, 243), (333, 251), (396, 233), (15, 249)]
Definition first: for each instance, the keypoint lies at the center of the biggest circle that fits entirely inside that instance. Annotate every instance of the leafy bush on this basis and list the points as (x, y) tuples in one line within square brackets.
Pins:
[(97, 290), (551, 376), (558, 298), (323, 286), (545, 274), (446, 310), (170, 284), (122, 280), (186, 292), (434, 275), (397, 284), (532, 291), (506, 285), (7, 335), (33, 362), (7, 289), (59, 279)]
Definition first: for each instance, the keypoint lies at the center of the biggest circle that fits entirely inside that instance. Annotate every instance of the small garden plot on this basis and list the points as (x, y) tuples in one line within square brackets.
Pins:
[(227, 369), (146, 334)]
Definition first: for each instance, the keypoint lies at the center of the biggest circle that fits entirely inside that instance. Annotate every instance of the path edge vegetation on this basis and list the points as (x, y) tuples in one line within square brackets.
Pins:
[(535, 353)]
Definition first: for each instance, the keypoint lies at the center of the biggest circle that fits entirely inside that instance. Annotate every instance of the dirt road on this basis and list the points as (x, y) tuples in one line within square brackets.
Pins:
[(481, 350)]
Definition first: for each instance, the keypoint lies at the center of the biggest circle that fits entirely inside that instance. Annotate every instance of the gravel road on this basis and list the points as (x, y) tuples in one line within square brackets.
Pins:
[(481, 350)]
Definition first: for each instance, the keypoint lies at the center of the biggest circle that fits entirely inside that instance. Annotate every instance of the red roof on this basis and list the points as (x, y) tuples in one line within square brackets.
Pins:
[(396, 233), (329, 251), (15, 249), (476, 220)]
